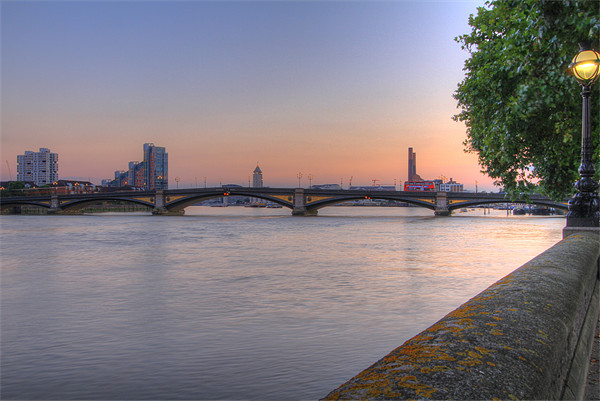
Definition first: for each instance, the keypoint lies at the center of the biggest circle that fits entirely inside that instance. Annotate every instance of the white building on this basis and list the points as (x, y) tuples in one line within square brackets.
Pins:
[(451, 186), (257, 182), (257, 178), (39, 167)]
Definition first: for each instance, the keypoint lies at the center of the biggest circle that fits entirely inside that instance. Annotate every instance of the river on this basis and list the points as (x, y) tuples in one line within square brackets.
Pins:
[(236, 303)]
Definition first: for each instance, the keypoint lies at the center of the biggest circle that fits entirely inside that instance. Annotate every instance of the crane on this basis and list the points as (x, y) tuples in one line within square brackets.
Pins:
[(9, 172)]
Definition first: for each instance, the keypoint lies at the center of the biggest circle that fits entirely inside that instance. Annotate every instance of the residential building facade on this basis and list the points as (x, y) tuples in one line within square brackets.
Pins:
[(156, 169), (152, 173), (451, 186), (38, 167)]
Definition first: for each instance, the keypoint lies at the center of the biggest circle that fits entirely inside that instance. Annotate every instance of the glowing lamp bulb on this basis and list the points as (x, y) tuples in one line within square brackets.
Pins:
[(586, 67)]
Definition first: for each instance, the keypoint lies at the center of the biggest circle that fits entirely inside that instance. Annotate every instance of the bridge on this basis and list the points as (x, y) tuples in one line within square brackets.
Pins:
[(302, 201)]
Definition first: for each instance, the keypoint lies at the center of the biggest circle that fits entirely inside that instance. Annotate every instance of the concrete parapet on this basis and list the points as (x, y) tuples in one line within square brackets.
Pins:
[(567, 231), (528, 336)]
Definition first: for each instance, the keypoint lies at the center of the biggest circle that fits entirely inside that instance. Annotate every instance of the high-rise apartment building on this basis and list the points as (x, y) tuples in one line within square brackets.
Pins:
[(156, 171), (38, 167), (152, 173)]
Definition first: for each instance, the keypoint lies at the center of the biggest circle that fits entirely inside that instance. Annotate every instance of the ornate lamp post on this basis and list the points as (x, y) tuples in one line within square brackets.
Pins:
[(583, 207)]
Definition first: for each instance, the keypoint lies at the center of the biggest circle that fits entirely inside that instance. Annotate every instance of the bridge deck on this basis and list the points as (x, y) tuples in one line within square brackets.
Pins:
[(293, 198)]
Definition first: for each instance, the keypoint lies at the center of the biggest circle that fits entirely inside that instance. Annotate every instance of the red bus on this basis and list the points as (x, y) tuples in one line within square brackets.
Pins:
[(419, 186)]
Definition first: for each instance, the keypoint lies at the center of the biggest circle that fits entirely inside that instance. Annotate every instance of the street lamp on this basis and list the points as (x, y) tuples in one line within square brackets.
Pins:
[(583, 207), (299, 175)]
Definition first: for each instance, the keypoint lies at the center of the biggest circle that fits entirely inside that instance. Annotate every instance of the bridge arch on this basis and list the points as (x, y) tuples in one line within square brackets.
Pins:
[(183, 202), (73, 204), (17, 203), (329, 202), (540, 202), (80, 204)]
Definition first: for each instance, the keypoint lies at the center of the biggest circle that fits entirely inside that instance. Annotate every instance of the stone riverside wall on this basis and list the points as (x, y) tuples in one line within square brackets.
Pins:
[(528, 336)]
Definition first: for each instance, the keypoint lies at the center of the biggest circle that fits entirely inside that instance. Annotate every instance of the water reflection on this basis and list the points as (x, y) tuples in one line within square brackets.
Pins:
[(235, 303)]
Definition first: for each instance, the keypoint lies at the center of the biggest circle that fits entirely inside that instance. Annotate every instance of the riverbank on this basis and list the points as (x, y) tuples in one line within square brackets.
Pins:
[(528, 336), (101, 207)]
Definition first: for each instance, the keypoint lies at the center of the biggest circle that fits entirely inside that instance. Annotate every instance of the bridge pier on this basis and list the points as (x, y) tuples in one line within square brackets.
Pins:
[(159, 206), (441, 204), (54, 205), (300, 204)]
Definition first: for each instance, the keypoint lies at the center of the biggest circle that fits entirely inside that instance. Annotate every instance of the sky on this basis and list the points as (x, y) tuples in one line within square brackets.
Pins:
[(334, 89)]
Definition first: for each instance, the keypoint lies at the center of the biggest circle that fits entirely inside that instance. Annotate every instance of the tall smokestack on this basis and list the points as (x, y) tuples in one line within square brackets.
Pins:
[(412, 164)]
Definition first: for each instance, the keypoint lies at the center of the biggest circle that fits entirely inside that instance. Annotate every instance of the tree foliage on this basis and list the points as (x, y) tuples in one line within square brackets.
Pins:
[(14, 185), (521, 106)]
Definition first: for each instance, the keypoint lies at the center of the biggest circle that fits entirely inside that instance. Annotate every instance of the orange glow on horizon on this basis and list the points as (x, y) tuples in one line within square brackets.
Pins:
[(346, 105)]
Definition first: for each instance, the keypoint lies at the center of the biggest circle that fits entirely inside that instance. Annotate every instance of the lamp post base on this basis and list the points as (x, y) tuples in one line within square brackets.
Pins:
[(567, 231), (574, 222)]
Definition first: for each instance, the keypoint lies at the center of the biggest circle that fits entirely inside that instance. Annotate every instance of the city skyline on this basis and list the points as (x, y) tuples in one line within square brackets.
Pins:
[(331, 89)]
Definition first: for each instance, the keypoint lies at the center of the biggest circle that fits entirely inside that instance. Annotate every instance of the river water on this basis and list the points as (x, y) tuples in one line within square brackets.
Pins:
[(236, 303)]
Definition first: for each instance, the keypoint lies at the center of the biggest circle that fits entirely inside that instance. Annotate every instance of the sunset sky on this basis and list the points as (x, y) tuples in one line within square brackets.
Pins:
[(335, 89)]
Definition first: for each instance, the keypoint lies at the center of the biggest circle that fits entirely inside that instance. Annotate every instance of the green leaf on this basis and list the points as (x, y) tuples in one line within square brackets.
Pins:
[(521, 108)]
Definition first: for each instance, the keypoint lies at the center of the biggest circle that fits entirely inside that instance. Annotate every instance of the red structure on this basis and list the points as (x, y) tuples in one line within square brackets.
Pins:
[(419, 186)]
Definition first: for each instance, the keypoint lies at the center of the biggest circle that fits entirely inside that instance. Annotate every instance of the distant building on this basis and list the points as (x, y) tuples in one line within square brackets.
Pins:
[(152, 173), (74, 186), (374, 187), (38, 167), (257, 182), (412, 166), (326, 186), (156, 171), (136, 174), (121, 179), (257, 178), (451, 186)]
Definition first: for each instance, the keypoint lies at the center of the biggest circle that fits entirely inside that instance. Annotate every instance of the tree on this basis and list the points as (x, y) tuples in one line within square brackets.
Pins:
[(521, 106), (14, 185)]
